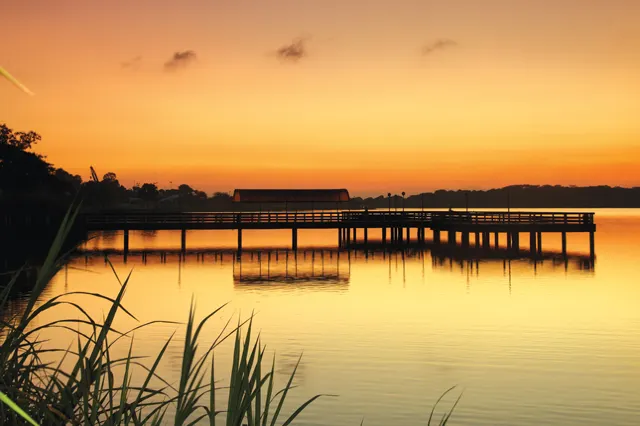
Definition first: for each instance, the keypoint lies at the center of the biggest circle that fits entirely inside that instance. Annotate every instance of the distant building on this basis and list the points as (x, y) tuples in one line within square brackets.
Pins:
[(290, 195)]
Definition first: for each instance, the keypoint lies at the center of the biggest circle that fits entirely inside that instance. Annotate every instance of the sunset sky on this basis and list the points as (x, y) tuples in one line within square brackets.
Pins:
[(378, 95)]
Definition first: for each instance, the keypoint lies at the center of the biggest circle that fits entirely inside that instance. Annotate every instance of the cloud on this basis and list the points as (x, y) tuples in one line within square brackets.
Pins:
[(133, 63), (180, 60), (293, 52), (437, 45)]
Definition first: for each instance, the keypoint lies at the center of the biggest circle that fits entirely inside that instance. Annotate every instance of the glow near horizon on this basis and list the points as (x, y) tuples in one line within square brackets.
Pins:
[(535, 92)]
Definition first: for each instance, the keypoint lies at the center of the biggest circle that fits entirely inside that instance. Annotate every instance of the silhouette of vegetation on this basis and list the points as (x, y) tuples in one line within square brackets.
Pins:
[(515, 196), (92, 385), (26, 178)]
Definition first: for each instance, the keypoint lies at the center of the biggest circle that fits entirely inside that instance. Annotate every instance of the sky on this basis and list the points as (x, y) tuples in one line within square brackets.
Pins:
[(369, 95)]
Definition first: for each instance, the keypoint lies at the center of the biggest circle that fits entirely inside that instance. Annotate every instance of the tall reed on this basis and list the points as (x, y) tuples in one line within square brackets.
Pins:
[(95, 386)]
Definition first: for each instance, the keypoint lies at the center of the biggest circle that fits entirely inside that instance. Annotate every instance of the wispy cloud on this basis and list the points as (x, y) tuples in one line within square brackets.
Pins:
[(180, 60), (132, 63), (440, 44), (294, 51)]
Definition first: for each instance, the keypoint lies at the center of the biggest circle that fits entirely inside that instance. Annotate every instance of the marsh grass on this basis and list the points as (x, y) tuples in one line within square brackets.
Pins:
[(96, 387)]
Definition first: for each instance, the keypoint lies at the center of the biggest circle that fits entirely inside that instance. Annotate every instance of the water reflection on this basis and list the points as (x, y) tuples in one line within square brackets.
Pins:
[(315, 268), (332, 266), (412, 321)]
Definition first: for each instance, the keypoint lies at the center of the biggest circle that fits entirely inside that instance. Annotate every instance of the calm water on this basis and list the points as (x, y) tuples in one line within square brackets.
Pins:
[(550, 342)]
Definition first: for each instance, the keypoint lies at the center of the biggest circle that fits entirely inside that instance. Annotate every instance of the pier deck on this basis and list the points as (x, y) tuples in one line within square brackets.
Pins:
[(397, 224)]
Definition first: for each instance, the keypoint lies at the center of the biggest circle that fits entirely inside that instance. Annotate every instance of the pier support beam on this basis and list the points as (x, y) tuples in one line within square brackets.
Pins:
[(464, 237), (532, 243), (355, 235), (592, 244), (384, 235), (564, 244), (408, 235), (515, 244), (126, 245), (126, 242), (294, 239), (539, 245), (239, 240), (477, 240), (183, 240), (436, 236), (366, 235), (451, 237), (486, 240), (497, 241)]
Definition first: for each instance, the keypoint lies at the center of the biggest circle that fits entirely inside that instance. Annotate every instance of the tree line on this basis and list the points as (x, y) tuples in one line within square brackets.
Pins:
[(28, 180)]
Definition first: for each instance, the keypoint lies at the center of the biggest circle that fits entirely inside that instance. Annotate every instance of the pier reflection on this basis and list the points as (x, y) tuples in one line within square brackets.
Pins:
[(324, 266), (332, 266)]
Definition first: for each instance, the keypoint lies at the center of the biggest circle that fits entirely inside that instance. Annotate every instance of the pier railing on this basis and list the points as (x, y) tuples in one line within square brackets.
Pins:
[(379, 218)]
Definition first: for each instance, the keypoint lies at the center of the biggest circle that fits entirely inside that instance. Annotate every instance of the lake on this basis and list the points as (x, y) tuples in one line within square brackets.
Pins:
[(550, 341)]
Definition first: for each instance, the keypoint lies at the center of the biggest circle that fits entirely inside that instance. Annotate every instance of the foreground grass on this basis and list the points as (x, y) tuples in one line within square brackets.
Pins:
[(96, 388)]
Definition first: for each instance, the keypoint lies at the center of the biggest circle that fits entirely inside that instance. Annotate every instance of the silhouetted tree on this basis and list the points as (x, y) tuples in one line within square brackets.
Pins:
[(222, 196), (20, 140), (148, 192), (185, 190), (110, 177), (26, 179), (74, 180)]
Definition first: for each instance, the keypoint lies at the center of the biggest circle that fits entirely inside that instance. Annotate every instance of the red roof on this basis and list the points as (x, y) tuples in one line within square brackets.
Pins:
[(290, 195)]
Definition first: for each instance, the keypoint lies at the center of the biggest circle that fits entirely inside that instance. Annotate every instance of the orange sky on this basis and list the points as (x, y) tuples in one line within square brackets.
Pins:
[(533, 91)]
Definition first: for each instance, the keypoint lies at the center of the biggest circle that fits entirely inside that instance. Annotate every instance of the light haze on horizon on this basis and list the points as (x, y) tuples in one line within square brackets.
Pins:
[(539, 92)]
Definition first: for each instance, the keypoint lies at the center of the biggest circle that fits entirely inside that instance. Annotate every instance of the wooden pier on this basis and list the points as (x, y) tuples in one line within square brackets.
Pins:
[(397, 227)]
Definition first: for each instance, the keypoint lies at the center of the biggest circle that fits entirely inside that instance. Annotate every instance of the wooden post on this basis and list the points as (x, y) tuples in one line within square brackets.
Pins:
[(486, 236), (183, 241), (564, 244), (516, 242), (239, 240), (436, 236), (477, 239), (339, 238), (408, 235), (294, 239), (539, 243), (355, 235), (451, 237), (126, 245), (384, 235), (126, 242), (465, 239), (497, 241), (592, 244), (366, 235), (532, 243)]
